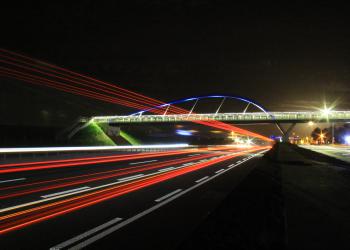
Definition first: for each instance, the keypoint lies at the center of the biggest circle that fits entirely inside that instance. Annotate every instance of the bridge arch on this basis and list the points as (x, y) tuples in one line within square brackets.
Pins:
[(197, 98)]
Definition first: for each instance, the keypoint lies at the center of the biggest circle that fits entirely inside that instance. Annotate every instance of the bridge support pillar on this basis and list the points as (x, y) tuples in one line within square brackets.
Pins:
[(285, 133)]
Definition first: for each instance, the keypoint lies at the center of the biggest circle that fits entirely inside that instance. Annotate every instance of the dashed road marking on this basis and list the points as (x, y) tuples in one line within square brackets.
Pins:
[(168, 195)]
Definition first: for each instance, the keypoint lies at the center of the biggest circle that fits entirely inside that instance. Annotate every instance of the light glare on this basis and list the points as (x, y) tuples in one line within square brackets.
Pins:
[(347, 139), (183, 132)]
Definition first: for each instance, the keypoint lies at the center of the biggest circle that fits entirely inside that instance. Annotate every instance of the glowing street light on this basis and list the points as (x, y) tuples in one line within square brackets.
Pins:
[(326, 110), (249, 141), (310, 123), (183, 132), (321, 137), (347, 139)]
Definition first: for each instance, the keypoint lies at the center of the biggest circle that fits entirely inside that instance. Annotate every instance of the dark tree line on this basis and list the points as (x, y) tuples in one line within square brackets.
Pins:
[(339, 133)]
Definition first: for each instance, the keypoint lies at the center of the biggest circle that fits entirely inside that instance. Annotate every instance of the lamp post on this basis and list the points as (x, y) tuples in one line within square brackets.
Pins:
[(333, 139)]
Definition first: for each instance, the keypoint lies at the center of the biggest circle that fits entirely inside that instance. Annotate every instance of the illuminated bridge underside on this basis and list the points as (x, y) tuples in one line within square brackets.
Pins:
[(256, 117)]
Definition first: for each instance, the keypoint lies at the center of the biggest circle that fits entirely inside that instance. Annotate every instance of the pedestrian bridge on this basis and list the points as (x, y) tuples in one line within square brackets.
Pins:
[(246, 118)]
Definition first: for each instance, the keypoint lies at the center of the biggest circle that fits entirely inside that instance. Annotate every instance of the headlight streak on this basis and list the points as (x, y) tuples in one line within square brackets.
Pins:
[(93, 148), (33, 215)]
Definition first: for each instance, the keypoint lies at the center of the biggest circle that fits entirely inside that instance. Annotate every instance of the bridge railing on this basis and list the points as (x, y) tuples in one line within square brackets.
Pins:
[(255, 116)]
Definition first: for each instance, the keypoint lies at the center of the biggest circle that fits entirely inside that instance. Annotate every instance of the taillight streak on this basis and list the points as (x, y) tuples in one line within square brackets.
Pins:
[(110, 174), (78, 202)]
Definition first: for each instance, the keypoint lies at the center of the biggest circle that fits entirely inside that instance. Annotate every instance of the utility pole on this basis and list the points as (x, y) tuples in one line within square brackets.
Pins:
[(333, 139)]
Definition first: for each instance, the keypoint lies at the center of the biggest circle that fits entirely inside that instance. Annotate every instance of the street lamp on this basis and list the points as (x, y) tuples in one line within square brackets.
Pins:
[(321, 137), (326, 111), (347, 139)]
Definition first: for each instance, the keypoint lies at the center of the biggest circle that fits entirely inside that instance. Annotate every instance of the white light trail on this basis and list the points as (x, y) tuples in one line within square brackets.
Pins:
[(93, 148)]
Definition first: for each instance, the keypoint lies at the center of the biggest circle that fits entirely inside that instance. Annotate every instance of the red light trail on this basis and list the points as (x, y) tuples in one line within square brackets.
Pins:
[(138, 101), (104, 175), (34, 214), (21, 168)]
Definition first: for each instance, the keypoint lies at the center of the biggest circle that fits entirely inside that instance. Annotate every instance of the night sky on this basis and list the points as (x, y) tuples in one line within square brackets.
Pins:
[(285, 56)]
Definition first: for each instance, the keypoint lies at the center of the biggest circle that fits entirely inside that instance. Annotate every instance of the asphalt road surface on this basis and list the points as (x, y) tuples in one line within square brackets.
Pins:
[(339, 152), (147, 200)]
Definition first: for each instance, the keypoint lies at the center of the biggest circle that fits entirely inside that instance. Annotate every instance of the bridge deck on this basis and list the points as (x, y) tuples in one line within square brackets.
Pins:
[(256, 117)]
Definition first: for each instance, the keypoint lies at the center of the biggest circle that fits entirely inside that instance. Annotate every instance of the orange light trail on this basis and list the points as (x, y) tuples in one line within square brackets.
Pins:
[(104, 175), (139, 101), (86, 162), (20, 219)]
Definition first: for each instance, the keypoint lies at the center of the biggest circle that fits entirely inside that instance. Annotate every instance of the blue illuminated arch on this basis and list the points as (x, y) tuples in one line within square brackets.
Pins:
[(203, 97)]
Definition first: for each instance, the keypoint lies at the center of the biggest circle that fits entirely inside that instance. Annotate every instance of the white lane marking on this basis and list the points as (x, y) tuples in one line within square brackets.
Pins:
[(239, 161), (230, 166), (140, 162), (219, 171), (202, 179), (64, 192), (86, 234), (78, 192), (69, 194), (187, 164), (166, 169), (140, 215), (131, 177), (18, 179), (168, 195), (181, 166)]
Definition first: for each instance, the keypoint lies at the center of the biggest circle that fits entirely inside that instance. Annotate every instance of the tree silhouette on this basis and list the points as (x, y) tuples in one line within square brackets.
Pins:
[(315, 134)]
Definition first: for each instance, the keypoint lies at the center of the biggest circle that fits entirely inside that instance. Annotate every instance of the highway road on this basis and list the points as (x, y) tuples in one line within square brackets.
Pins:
[(149, 200), (339, 152)]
